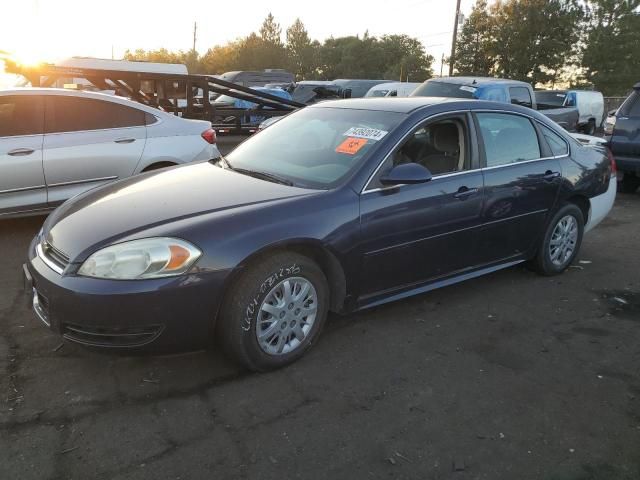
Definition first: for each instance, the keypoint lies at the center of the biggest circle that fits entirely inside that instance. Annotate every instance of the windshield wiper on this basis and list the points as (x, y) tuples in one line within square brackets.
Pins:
[(270, 177)]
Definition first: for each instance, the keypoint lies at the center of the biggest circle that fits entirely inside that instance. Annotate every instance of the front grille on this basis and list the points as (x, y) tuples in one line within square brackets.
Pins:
[(111, 337), (54, 255)]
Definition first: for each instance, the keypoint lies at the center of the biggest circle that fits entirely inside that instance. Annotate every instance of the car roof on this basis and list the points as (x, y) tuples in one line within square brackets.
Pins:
[(477, 80), (80, 94), (388, 104)]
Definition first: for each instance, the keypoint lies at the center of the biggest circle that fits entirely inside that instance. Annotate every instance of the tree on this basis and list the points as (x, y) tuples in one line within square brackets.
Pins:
[(270, 31), (301, 51), (474, 48), (404, 58), (610, 57)]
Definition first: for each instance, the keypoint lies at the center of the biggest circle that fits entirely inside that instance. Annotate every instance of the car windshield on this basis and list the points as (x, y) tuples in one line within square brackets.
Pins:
[(315, 147), (378, 93), (432, 88)]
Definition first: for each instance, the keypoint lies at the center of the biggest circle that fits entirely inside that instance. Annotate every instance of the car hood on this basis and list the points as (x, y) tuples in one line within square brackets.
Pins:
[(102, 216)]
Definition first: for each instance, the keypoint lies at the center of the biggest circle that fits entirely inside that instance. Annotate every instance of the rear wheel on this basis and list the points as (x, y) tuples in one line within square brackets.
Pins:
[(274, 312), (561, 241), (630, 183)]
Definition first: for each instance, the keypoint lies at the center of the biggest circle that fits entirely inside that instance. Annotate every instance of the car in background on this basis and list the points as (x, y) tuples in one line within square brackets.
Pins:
[(356, 87), (313, 91), (496, 90), (339, 206), (590, 106), (55, 144), (258, 78), (392, 89), (229, 102), (622, 131)]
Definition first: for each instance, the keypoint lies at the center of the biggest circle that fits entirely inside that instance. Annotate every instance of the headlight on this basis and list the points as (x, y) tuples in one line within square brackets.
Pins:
[(138, 259)]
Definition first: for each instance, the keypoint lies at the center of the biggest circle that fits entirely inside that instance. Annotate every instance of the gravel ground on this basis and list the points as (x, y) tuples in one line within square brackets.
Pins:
[(510, 376)]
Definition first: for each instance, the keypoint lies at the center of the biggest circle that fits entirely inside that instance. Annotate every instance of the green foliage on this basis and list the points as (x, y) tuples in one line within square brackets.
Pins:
[(388, 57), (610, 59)]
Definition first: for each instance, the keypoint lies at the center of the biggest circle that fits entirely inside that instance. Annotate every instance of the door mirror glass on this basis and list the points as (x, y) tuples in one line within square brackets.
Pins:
[(406, 173)]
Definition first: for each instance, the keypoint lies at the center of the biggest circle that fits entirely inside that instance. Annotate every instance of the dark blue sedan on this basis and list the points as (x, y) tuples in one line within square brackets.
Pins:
[(337, 207)]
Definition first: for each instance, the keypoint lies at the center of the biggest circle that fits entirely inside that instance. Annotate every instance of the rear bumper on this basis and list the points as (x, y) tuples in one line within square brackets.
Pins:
[(162, 315), (601, 205)]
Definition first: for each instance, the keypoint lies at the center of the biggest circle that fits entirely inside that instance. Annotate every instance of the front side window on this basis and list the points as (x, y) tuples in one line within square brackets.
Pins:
[(520, 96), (507, 138), (20, 115), (556, 143), (315, 147), (73, 114)]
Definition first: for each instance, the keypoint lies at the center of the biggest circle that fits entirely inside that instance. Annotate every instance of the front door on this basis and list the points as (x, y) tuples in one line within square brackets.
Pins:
[(522, 179), (22, 185), (89, 142), (414, 233)]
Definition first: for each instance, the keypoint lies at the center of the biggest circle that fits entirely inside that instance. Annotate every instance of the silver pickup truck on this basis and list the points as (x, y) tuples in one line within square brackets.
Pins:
[(496, 90)]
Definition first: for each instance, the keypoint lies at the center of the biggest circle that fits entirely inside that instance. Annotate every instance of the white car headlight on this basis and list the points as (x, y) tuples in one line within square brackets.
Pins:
[(140, 259)]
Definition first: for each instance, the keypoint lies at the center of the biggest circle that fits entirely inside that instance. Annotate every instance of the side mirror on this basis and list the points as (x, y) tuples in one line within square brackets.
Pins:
[(406, 173)]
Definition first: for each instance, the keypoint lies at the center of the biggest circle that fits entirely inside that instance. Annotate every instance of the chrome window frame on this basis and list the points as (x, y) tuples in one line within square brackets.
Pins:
[(481, 169)]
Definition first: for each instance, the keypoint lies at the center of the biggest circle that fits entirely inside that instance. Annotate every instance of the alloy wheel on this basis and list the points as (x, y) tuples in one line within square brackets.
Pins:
[(563, 240)]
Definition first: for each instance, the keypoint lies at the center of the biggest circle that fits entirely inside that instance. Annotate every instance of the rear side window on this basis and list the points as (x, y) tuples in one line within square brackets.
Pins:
[(20, 115), (520, 96), (72, 114), (556, 143), (507, 138)]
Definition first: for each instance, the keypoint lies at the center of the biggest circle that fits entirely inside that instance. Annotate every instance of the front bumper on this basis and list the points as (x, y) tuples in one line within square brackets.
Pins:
[(163, 315)]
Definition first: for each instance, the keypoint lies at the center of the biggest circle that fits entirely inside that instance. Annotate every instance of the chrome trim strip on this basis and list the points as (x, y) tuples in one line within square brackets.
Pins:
[(88, 180), (46, 261), (38, 310), (22, 189)]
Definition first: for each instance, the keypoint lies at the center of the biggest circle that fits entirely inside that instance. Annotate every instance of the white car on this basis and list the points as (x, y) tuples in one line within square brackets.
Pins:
[(57, 143), (392, 89)]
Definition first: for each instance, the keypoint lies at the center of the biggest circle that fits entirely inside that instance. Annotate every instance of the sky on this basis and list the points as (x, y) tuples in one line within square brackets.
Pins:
[(49, 30)]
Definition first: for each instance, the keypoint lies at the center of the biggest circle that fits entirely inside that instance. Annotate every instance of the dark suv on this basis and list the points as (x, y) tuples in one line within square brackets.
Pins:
[(622, 130)]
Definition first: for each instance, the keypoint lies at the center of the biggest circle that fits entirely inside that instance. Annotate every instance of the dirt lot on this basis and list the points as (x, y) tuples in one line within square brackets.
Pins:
[(511, 376)]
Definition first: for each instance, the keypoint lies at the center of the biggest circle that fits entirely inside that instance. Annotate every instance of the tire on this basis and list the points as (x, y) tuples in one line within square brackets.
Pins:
[(264, 286), (544, 262), (630, 183), (589, 128)]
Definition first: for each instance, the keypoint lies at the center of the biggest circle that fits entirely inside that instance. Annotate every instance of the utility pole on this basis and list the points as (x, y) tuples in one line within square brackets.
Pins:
[(441, 65), (195, 29), (452, 59)]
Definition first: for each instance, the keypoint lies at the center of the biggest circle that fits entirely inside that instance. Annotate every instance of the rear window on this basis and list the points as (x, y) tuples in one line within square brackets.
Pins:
[(556, 143), (520, 96), (631, 105), (73, 114), (432, 88), (554, 99), (20, 115)]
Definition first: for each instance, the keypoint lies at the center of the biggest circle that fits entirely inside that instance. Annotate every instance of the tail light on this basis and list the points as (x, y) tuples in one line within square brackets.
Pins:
[(614, 167), (209, 136)]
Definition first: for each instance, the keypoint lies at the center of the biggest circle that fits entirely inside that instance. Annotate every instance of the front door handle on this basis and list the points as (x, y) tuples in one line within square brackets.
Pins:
[(19, 152), (464, 192), (549, 175), (125, 140)]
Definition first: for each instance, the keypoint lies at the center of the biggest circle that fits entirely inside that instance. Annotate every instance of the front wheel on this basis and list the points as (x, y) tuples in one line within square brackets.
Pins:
[(561, 241), (274, 312), (590, 127)]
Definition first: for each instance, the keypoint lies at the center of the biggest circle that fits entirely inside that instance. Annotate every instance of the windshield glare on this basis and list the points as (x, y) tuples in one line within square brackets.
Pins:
[(315, 147)]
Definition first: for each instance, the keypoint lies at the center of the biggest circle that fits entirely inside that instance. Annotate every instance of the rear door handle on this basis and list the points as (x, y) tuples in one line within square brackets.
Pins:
[(18, 152), (125, 140), (464, 192), (549, 175)]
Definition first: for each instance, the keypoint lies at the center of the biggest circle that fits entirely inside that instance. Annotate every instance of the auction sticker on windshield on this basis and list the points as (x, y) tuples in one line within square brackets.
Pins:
[(363, 132), (351, 145)]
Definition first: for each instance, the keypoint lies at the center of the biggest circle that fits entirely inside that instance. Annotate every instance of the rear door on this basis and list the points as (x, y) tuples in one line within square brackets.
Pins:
[(22, 185), (522, 179), (625, 143), (415, 233), (89, 142)]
